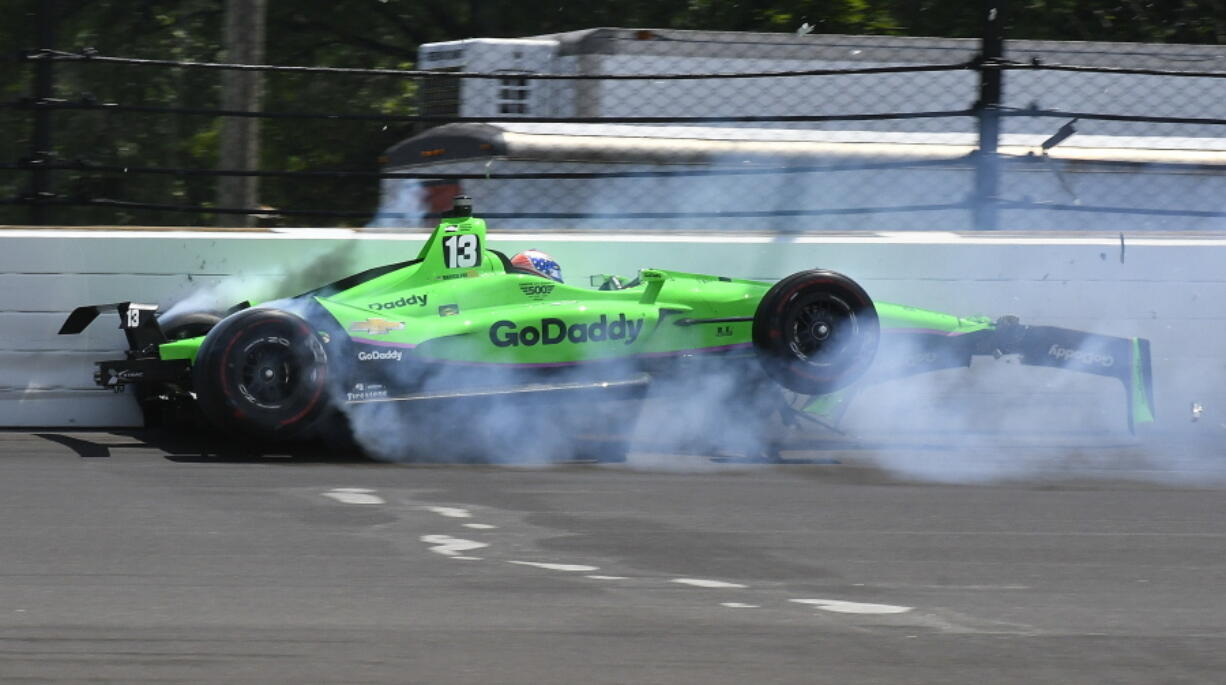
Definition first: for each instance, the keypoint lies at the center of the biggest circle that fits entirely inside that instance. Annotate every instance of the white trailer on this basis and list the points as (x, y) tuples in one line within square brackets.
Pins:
[(621, 51)]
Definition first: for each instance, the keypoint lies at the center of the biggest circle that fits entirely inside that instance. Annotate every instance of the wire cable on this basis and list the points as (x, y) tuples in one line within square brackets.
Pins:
[(90, 56), (1106, 209), (90, 167), (60, 104), (196, 209), (1037, 65), (1003, 205), (1019, 112), (106, 202), (963, 162)]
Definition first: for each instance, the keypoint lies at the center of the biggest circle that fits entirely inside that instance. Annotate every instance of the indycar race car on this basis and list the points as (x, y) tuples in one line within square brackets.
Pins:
[(461, 322)]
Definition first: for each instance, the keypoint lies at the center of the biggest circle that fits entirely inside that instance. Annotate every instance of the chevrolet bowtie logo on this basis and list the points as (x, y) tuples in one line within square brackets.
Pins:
[(376, 326)]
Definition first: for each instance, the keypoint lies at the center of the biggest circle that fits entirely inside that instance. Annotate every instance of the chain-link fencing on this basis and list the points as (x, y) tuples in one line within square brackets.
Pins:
[(663, 129)]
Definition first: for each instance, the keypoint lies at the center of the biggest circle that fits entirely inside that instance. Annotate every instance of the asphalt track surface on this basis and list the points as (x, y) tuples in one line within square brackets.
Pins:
[(133, 558)]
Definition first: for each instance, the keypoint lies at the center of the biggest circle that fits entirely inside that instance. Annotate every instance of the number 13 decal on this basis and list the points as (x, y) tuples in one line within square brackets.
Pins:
[(461, 251)]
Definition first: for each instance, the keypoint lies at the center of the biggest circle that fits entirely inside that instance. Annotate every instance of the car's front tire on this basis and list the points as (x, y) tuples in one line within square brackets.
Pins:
[(263, 374), (816, 331)]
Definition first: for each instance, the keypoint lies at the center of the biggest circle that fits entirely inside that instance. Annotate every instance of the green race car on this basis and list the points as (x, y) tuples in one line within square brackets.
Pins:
[(461, 323)]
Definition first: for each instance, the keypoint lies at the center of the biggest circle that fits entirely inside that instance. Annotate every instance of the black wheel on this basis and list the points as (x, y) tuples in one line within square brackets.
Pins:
[(815, 332), (262, 373), (190, 325)]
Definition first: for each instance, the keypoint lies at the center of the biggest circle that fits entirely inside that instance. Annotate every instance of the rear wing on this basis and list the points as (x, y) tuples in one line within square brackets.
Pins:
[(138, 322), (143, 364)]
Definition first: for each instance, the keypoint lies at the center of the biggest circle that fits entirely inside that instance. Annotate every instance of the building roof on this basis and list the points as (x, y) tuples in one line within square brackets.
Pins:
[(895, 49)]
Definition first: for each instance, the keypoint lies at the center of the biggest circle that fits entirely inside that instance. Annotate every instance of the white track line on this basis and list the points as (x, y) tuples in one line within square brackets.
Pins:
[(700, 582), (354, 496), (556, 567), (839, 606), (451, 547), (451, 512)]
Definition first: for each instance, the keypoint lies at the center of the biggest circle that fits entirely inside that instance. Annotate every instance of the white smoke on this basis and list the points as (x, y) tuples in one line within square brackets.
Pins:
[(256, 288), (701, 412), (1000, 420), (402, 203)]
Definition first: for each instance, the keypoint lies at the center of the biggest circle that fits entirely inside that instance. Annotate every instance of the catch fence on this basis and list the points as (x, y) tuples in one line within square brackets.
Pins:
[(655, 129)]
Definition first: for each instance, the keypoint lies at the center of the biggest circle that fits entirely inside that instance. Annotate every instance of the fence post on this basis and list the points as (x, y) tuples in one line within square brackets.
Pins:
[(239, 145), (987, 167), (40, 140)]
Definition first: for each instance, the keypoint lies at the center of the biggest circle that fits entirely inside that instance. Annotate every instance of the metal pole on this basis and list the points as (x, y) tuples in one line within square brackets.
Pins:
[(40, 141), (987, 170)]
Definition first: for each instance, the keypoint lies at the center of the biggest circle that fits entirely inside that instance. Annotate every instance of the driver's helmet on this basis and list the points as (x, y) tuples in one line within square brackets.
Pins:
[(538, 263)]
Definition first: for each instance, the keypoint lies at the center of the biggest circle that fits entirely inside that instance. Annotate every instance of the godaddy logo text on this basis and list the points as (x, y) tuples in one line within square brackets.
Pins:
[(419, 300), (554, 331), (380, 355)]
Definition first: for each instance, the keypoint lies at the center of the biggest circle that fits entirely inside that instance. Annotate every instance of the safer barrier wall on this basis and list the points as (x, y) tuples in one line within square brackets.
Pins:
[(1169, 288)]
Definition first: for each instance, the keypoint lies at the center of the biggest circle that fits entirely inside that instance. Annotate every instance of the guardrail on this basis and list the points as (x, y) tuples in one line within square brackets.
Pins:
[(1168, 288)]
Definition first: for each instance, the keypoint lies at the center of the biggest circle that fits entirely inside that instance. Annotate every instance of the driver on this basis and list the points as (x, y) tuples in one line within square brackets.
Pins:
[(538, 263)]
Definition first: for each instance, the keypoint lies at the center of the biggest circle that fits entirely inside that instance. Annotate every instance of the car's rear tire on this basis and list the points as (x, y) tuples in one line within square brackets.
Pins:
[(189, 325), (263, 374), (816, 331)]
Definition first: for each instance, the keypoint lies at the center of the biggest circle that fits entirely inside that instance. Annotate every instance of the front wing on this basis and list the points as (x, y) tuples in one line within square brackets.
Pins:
[(910, 352)]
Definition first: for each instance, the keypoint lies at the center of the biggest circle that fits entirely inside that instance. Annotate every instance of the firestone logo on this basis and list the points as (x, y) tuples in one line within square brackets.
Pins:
[(380, 356), (366, 391), (1081, 356), (554, 331)]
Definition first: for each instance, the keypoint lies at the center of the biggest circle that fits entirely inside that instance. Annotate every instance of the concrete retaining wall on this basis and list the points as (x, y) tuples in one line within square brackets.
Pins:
[(1165, 287)]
